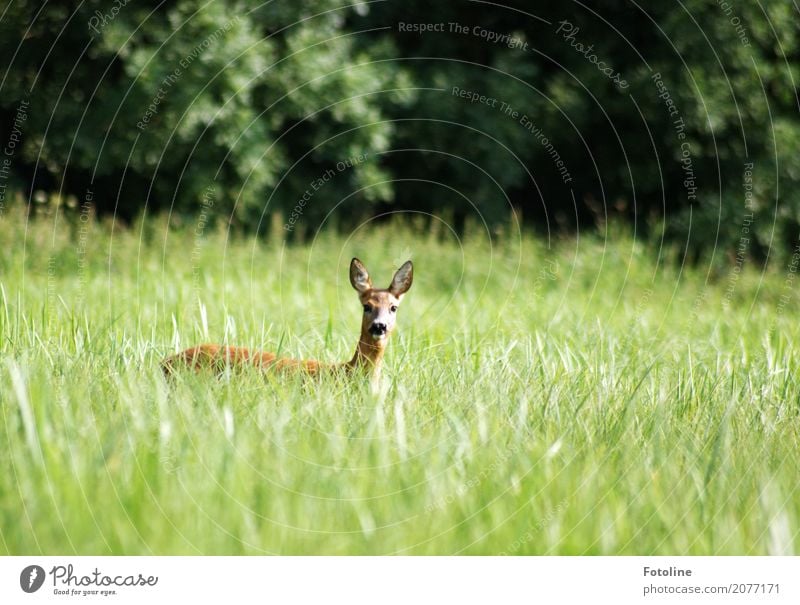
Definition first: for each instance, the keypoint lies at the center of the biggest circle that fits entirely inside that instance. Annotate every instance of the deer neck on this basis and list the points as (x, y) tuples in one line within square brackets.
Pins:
[(369, 352)]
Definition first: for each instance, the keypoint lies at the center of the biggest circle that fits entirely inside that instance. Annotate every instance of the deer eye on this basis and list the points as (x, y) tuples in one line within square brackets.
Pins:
[(393, 308), (367, 309)]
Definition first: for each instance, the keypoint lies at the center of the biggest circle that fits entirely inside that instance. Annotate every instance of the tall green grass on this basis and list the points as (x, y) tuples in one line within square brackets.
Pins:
[(579, 398)]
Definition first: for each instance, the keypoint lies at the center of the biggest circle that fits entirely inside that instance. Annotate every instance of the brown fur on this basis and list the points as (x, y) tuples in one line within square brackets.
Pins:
[(218, 357), (369, 351)]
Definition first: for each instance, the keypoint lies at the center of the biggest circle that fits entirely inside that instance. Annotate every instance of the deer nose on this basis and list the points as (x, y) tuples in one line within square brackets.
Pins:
[(378, 328)]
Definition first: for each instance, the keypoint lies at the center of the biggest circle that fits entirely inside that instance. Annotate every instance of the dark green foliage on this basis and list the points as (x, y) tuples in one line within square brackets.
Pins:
[(262, 103), (167, 101)]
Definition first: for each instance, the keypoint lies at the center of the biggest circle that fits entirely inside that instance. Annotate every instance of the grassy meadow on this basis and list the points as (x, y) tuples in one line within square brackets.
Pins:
[(581, 397)]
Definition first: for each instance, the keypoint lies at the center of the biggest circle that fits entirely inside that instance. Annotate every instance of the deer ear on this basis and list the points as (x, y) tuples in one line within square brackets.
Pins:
[(359, 277), (401, 281)]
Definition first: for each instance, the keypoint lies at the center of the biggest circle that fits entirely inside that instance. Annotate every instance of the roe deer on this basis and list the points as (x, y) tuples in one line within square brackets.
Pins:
[(377, 323)]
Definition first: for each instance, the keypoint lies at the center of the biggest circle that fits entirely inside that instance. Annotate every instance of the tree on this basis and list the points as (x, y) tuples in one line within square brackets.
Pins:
[(170, 106), (680, 118)]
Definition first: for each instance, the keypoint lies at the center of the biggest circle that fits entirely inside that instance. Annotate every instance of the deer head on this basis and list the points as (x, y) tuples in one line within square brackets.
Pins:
[(380, 305)]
